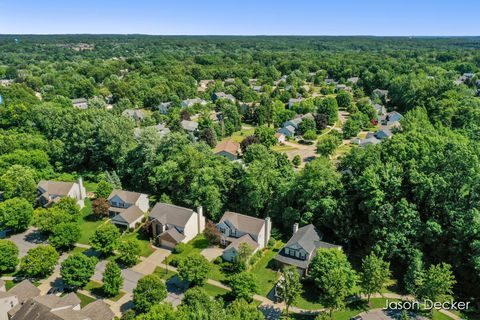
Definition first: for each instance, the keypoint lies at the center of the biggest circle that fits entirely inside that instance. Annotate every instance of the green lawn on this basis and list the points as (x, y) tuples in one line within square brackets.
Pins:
[(309, 297), (146, 248), (196, 245), (84, 300), (214, 290), (159, 271), (96, 289), (265, 276), (90, 186), (283, 148), (88, 222), (77, 250), (242, 134)]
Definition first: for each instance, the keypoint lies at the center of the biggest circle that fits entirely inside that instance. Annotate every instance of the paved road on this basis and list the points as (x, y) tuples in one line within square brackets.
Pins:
[(27, 240)]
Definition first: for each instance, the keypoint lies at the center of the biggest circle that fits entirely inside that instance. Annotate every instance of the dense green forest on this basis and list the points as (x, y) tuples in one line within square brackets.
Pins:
[(414, 198)]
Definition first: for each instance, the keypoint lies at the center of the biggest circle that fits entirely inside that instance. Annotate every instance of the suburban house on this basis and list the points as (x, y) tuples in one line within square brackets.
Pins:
[(257, 88), (301, 248), (382, 94), (383, 133), (280, 137), (343, 87), (192, 102), (164, 106), (353, 80), (330, 81), (120, 200), (391, 118), (204, 84), (380, 109), (50, 192), (287, 131), (236, 228), (172, 224), (80, 103), (65, 307), (222, 95), (160, 129), (369, 139), (190, 126), (135, 114), (129, 218), (293, 101), (128, 208), (14, 298), (227, 148)]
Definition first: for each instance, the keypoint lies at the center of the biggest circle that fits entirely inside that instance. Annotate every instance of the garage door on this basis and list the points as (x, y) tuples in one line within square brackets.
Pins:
[(167, 244)]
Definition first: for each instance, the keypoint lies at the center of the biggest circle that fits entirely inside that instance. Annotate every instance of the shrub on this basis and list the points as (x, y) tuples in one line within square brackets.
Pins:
[(179, 248), (218, 260)]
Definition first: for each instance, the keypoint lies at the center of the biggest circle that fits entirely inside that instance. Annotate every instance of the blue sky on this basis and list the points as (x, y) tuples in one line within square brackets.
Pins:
[(247, 17)]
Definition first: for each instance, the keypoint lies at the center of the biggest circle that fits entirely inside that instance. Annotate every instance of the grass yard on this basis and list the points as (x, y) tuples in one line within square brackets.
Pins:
[(96, 289), (214, 291), (242, 134), (146, 248), (196, 245), (88, 222), (90, 186), (159, 271), (308, 300), (266, 277), (283, 148), (84, 300)]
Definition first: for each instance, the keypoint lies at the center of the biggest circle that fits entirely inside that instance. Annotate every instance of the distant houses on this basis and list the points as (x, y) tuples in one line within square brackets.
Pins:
[(191, 102), (80, 103), (380, 93), (189, 126), (50, 192), (164, 107), (222, 95), (160, 129), (293, 101), (134, 114), (388, 120)]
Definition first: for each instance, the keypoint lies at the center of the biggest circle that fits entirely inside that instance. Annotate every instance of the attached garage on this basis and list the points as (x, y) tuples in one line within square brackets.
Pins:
[(170, 238)]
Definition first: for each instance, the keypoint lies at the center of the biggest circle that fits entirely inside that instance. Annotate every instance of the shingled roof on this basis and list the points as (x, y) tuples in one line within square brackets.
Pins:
[(127, 196), (244, 223), (170, 214)]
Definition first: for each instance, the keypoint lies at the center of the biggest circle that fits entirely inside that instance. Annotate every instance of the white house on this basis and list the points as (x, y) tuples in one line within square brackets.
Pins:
[(172, 224), (236, 228), (50, 192), (120, 200)]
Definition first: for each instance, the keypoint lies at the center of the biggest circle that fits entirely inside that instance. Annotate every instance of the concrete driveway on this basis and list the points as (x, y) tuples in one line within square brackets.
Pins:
[(27, 240), (150, 263), (212, 253)]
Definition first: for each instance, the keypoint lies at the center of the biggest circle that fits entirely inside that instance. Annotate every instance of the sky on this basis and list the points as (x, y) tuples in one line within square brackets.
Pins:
[(246, 17)]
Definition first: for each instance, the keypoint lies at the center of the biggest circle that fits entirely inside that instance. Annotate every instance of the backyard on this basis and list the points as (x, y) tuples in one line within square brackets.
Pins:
[(266, 277), (88, 222)]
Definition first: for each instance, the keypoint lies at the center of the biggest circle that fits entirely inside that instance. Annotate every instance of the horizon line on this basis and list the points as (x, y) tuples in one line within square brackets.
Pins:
[(240, 35)]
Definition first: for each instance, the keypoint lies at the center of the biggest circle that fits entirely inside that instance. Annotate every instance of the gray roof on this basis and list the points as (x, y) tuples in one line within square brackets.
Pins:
[(24, 290), (384, 133), (98, 310), (309, 239), (170, 214), (130, 215), (189, 125), (127, 196), (172, 232), (246, 238), (55, 187), (242, 222)]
